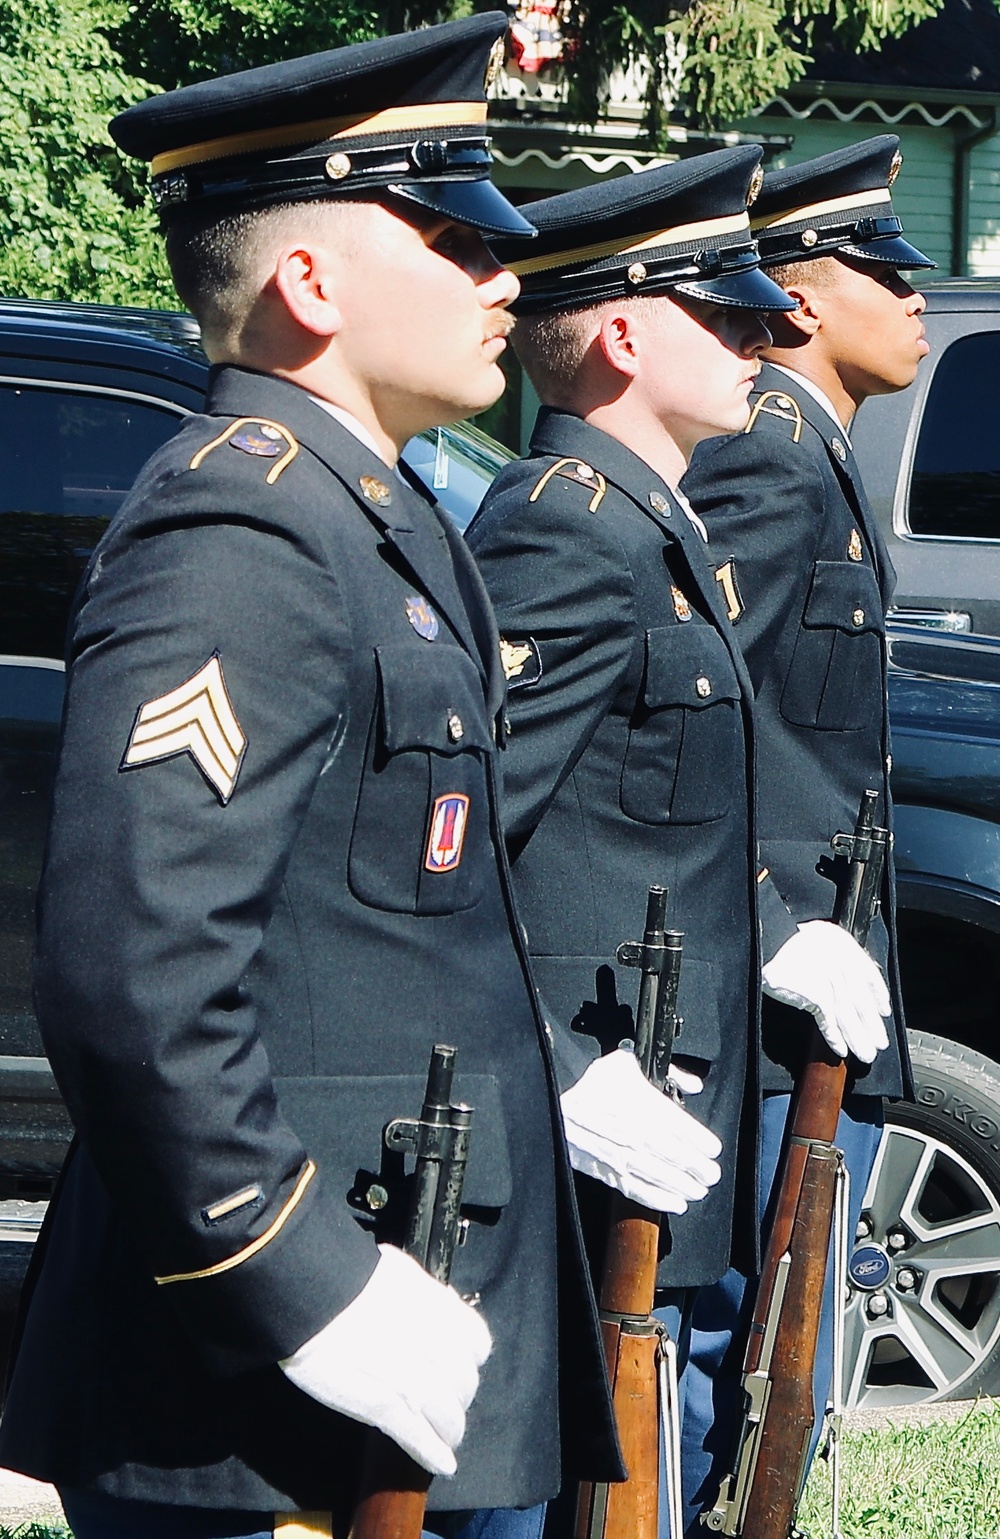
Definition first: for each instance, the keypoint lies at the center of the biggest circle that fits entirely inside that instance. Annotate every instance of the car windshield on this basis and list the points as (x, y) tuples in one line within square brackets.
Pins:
[(457, 464)]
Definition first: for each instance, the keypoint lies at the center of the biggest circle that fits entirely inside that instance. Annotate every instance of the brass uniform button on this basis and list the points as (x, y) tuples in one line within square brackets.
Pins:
[(636, 274), (337, 167), (456, 730), (703, 686), (809, 237), (858, 617)]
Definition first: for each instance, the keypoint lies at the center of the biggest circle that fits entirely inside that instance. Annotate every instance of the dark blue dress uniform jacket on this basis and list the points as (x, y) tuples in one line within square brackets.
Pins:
[(628, 762), (240, 979), (794, 539)]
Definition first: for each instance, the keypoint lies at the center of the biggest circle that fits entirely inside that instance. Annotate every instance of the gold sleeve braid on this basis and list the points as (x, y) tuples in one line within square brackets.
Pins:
[(273, 1229)]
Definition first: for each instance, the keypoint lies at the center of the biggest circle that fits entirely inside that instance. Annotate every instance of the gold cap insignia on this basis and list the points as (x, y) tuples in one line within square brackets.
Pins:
[(376, 491), (198, 719), (756, 183), (494, 64), (894, 167), (854, 550), (682, 609)]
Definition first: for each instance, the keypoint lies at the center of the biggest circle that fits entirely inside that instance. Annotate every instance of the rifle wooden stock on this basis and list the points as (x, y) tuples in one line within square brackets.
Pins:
[(759, 1499), (629, 1509), (392, 1493), (795, 1261)]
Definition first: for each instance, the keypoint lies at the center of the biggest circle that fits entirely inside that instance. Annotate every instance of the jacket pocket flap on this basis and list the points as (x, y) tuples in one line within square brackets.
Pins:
[(432, 698), (844, 595), (341, 1119), (688, 665)]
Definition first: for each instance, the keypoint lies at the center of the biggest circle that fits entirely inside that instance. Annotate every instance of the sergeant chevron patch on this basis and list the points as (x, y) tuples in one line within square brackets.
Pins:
[(198, 719)]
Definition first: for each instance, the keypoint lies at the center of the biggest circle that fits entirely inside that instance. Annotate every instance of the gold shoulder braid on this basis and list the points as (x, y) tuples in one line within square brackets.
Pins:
[(775, 403), (572, 469), (259, 438)]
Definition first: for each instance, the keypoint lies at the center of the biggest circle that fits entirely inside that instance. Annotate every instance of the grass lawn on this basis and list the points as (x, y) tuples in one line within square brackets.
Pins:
[(936, 1482), (940, 1481)]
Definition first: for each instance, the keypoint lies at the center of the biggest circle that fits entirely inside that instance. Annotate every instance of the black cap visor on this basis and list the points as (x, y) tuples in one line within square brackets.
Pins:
[(477, 203), (892, 249), (750, 289)]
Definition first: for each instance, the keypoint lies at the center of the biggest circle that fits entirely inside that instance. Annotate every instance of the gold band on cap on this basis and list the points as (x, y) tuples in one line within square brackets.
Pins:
[(391, 120), (704, 229), (813, 211)]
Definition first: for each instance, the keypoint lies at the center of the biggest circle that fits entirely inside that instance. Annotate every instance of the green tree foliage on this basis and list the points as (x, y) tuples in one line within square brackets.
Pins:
[(733, 55), (74, 215), (76, 220), (173, 42)]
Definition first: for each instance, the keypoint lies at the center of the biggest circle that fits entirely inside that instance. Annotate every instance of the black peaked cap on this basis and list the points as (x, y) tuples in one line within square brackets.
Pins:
[(682, 226), (404, 114), (837, 202)]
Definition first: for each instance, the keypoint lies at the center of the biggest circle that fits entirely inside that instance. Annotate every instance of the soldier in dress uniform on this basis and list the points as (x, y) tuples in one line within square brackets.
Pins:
[(629, 727), (796, 547), (274, 876)]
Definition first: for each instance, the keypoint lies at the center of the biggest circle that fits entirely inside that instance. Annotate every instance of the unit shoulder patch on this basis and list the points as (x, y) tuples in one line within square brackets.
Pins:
[(521, 660), (775, 403), (572, 469), (725, 576), (258, 438), (198, 719)]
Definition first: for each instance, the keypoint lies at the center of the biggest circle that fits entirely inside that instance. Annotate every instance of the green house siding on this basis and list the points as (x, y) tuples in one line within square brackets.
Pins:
[(984, 209)]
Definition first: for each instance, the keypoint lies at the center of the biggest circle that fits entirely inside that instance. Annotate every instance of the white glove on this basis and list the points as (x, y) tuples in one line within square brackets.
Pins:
[(822, 969), (635, 1139), (404, 1356)]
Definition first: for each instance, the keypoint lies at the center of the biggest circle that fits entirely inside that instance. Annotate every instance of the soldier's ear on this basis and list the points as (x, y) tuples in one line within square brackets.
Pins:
[(305, 277), (617, 341), (804, 321)]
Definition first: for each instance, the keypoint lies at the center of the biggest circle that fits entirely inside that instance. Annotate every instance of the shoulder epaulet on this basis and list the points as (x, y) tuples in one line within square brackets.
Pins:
[(258, 437), (775, 403), (574, 470)]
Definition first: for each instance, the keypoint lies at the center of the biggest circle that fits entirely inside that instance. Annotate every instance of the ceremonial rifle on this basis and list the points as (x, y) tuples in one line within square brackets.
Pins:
[(759, 1499), (639, 1354), (393, 1491)]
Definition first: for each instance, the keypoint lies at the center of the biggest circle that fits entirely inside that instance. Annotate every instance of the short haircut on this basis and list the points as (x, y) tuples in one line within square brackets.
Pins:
[(221, 263), (820, 273), (552, 347)]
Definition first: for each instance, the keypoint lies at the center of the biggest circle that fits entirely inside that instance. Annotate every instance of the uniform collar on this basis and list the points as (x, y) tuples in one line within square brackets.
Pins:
[(818, 395)]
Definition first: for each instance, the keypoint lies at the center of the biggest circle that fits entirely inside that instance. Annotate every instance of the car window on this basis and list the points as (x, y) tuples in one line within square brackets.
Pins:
[(71, 456), (955, 487), (31, 693), (457, 464)]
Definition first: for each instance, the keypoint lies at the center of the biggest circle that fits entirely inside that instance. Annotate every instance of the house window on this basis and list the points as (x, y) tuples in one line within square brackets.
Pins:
[(955, 487)]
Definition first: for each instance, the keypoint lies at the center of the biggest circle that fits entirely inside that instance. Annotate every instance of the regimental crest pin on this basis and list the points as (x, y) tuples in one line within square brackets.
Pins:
[(854, 550), (259, 438), (521, 660), (422, 617), (196, 719), (682, 609), (449, 820)]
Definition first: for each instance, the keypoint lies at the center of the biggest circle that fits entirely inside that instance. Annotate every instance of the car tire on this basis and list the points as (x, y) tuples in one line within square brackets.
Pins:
[(923, 1313)]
